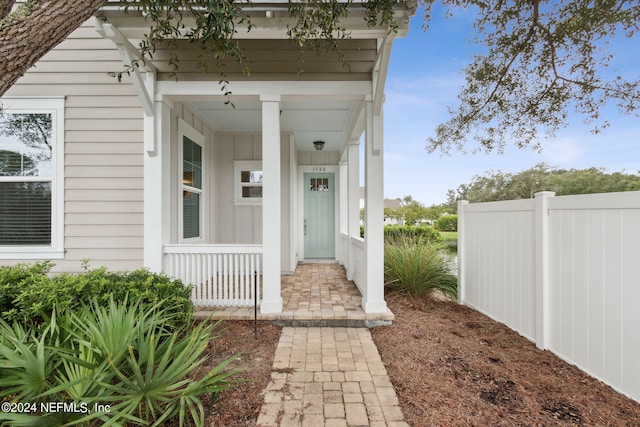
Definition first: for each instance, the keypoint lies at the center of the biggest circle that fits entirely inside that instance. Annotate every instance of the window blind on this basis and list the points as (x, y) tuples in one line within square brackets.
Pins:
[(25, 213)]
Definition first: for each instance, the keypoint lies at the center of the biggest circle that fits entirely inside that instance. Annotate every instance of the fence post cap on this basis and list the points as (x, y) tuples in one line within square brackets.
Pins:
[(545, 194)]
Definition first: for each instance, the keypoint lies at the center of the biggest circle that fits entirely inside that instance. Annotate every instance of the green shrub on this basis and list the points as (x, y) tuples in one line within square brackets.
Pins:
[(447, 223), (120, 354), (417, 268), (28, 292), (418, 233)]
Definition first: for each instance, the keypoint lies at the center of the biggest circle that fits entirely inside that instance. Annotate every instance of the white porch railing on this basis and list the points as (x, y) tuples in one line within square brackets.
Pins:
[(353, 259), (357, 248), (221, 275)]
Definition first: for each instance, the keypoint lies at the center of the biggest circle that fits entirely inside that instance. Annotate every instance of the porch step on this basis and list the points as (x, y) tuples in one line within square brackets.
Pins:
[(332, 323), (351, 319)]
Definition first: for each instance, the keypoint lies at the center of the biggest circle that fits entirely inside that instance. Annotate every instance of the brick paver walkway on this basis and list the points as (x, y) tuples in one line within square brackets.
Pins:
[(329, 377), (314, 292)]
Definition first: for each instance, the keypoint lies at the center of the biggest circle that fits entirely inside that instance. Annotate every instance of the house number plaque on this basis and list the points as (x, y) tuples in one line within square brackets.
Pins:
[(319, 169)]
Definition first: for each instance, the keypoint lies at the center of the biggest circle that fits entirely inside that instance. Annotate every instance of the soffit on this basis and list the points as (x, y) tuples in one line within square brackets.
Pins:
[(273, 60), (307, 120)]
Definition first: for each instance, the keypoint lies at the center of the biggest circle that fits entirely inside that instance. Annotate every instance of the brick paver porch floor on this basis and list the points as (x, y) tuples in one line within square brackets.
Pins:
[(316, 294)]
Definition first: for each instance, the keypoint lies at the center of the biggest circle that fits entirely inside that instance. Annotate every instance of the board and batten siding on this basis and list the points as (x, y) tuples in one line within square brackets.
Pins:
[(103, 161), (242, 224)]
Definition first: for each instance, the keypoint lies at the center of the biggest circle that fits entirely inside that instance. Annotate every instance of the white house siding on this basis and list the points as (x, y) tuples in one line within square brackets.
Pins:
[(103, 150)]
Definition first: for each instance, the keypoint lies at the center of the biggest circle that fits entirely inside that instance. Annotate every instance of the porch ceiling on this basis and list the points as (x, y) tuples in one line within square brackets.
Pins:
[(326, 120)]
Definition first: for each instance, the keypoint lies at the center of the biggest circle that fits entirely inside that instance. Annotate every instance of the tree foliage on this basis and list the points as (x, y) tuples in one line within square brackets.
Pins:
[(541, 60), (411, 211), (211, 25), (498, 185)]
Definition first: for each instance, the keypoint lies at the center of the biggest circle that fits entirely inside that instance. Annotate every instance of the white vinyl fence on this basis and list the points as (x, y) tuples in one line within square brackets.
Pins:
[(563, 272), (221, 275)]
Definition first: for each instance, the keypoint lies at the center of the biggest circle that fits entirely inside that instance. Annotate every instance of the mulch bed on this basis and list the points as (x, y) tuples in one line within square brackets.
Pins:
[(451, 365), (240, 406)]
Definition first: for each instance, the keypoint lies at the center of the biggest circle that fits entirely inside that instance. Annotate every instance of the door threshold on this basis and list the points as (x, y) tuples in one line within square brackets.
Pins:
[(318, 261)]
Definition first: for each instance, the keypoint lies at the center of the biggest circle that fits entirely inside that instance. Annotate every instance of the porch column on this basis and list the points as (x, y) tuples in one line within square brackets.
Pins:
[(353, 183), (343, 216), (373, 300), (157, 183), (271, 235)]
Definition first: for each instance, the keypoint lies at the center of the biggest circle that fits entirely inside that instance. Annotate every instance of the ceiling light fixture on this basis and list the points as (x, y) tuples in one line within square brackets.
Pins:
[(319, 145)]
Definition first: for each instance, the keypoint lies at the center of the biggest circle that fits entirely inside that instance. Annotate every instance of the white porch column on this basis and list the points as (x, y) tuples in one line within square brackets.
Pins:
[(271, 235), (373, 300), (353, 183), (157, 183), (343, 217)]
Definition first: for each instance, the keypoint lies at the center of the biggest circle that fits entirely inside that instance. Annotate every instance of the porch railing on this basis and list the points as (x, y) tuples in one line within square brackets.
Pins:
[(352, 257), (358, 257), (221, 275)]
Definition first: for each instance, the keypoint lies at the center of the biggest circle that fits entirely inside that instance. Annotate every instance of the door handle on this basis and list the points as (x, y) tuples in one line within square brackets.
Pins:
[(305, 226)]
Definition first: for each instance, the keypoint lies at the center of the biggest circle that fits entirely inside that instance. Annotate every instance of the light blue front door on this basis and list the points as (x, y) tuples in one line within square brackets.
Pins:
[(319, 215)]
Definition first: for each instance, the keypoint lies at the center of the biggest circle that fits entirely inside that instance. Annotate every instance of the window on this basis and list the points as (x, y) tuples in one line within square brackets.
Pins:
[(319, 184), (31, 200), (248, 182), (191, 209)]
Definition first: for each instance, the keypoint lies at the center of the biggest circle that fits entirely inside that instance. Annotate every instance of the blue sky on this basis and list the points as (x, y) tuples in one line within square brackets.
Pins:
[(425, 75)]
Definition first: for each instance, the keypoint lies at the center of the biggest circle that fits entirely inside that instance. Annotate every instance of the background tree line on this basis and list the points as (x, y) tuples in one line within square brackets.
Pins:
[(412, 212), (497, 185)]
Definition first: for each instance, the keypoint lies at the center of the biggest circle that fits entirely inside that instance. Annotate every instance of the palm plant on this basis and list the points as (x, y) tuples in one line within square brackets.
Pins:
[(121, 355)]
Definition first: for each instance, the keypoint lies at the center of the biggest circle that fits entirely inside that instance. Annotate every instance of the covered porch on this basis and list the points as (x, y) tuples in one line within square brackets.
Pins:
[(233, 247), (238, 198)]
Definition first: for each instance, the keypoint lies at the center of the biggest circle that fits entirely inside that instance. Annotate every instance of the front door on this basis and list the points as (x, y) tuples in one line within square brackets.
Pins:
[(319, 215)]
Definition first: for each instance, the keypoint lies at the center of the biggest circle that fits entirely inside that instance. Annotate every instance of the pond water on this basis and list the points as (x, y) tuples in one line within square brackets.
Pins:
[(452, 259)]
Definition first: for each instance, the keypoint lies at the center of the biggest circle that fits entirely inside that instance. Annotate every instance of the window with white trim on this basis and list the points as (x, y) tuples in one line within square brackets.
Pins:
[(192, 187), (31, 187), (248, 182)]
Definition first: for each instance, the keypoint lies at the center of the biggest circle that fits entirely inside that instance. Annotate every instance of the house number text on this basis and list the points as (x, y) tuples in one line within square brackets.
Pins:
[(319, 169)]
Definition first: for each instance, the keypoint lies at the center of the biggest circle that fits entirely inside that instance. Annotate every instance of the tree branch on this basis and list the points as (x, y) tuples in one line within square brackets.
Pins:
[(503, 73), (559, 76), (34, 28)]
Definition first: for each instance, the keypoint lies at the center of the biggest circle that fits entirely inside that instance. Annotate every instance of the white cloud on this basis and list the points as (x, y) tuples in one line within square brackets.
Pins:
[(562, 151)]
